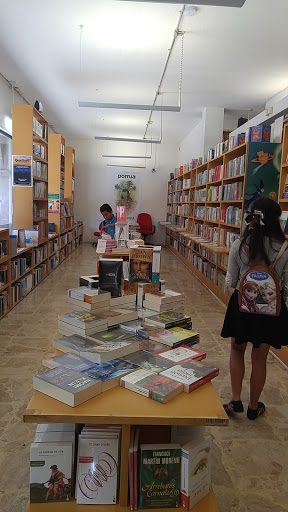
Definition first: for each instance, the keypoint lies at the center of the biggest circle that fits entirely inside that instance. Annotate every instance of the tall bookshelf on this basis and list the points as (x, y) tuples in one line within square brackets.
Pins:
[(30, 138), (56, 183), (69, 180), (205, 208)]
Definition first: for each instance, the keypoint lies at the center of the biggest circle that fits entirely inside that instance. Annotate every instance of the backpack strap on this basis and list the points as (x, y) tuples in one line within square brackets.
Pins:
[(282, 249)]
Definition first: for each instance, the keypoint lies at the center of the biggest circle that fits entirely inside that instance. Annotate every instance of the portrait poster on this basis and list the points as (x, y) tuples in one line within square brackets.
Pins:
[(53, 203), (126, 191), (22, 171), (263, 170)]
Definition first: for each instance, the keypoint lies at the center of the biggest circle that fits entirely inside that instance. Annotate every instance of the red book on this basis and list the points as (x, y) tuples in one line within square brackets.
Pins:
[(121, 213)]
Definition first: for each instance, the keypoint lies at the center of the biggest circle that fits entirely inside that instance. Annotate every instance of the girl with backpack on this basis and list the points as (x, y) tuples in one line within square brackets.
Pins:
[(259, 261)]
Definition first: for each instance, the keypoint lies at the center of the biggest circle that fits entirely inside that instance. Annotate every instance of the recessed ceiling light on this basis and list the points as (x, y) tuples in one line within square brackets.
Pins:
[(190, 10)]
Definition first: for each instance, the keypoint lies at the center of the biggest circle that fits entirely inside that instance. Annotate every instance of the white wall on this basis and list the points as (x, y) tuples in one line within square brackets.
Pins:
[(6, 100), (192, 145), (93, 181)]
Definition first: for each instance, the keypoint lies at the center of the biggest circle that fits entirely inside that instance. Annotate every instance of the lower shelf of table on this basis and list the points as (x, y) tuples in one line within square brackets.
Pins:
[(208, 504)]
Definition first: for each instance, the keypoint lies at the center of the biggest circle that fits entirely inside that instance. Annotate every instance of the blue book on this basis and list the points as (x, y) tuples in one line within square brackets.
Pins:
[(110, 373)]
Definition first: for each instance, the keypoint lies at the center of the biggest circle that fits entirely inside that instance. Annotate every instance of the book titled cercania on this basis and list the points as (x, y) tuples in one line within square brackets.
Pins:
[(160, 473)]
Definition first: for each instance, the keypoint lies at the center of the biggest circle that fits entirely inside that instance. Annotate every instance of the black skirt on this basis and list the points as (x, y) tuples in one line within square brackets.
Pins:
[(257, 329)]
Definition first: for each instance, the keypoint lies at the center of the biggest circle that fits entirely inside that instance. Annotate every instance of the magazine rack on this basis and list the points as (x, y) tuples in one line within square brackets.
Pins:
[(120, 406)]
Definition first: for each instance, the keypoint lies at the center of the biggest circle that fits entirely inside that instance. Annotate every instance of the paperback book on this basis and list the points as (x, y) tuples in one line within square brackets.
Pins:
[(173, 338), (181, 354), (89, 295), (140, 264), (68, 386), (74, 344), (110, 350), (114, 334), (160, 473), (110, 276), (110, 373), (149, 361), (152, 385), (192, 374), (51, 472), (69, 360), (169, 319)]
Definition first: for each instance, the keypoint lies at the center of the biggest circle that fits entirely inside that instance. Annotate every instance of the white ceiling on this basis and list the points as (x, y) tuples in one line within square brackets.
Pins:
[(233, 58)]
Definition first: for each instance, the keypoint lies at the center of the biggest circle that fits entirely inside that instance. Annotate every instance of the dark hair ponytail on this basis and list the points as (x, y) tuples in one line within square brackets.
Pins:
[(269, 226)]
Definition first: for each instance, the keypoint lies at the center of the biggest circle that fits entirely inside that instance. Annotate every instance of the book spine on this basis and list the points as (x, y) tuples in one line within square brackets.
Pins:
[(156, 266), (135, 388), (131, 470), (140, 296)]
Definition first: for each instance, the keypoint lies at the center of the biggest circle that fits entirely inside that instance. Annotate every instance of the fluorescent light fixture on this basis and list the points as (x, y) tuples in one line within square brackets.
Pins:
[(216, 3), (125, 156), (130, 166), (123, 139), (129, 106)]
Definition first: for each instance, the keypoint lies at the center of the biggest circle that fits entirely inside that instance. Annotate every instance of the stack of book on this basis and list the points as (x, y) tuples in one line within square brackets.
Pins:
[(123, 301), (175, 337), (98, 465), (105, 245), (168, 319), (81, 322), (88, 299), (164, 301)]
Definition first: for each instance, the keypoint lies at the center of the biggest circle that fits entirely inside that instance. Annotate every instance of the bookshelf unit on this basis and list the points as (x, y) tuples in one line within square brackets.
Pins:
[(205, 207), (119, 406), (69, 181), (56, 182)]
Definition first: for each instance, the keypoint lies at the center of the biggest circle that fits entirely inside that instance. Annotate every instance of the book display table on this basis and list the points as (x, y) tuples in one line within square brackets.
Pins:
[(120, 406)]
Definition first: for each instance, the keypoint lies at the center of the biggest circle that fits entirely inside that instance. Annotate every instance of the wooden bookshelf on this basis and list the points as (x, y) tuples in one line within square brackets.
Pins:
[(56, 182), (69, 181), (212, 197), (123, 407), (30, 138)]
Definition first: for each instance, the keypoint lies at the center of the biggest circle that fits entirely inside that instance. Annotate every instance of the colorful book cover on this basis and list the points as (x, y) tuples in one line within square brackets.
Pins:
[(160, 473), (97, 471), (116, 334), (162, 389), (50, 472), (192, 374), (68, 360), (173, 338), (167, 319), (65, 379), (140, 264), (111, 369), (81, 318), (148, 361), (180, 354)]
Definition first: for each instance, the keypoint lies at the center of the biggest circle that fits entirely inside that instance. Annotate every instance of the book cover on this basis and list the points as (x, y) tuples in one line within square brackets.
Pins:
[(110, 276), (115, 334), (74, 344), (110, 372), (69, 360), (148, 361), (81, 319), (150, 346), (173, 338), (140, 264), (167, 319), (192, 374), (195, 471), (111, 350), (180, 354), (144, 288), (160, 472), (97, 471), (132, 380), (162, 389), (129, 288), (50, 472), (67, 386)]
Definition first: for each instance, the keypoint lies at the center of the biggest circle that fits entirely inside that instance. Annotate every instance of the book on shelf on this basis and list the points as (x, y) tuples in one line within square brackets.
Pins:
[(152, 385), (160, 469), (110, 276), (56, 427), (68, 386), (131, 467), (284, 222), (180, 354), (110, 373), (192, 374), (148, 361), (195, 471), (97, 470), (50, 463), (135, 467)]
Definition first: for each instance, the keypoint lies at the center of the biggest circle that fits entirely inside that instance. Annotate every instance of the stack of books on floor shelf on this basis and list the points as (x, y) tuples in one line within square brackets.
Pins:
[(113, 339), (68, 459)]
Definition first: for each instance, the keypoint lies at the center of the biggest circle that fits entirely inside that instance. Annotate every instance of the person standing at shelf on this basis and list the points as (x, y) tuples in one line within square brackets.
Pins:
[(108, 224), (264, 238)]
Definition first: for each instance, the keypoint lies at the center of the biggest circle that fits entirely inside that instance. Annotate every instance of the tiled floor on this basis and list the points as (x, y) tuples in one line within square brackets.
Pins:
[(250, 458)]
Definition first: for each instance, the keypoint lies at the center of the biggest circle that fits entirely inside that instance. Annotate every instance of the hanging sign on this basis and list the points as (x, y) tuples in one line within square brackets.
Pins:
[(22, 171)]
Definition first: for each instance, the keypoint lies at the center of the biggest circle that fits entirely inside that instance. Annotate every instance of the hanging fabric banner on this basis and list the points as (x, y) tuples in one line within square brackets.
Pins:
[(126, 191)]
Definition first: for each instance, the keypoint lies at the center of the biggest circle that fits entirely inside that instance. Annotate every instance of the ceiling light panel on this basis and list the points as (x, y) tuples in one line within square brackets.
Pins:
[(217, 3)]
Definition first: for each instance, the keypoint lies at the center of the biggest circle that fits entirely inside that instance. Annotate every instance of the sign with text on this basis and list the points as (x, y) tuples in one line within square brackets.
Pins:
[(22, 171), (126, 190)]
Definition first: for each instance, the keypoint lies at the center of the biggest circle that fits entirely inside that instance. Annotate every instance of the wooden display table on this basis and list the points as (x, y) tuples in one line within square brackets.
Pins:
[(123, 407)]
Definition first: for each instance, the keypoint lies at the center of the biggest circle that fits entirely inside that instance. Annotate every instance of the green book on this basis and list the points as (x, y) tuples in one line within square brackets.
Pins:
[(160, 474)]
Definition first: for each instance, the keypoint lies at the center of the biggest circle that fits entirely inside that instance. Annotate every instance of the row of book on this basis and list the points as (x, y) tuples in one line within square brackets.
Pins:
[(58, 470), (3, 248), (232, 215), (235, 167), (41, 227), (39, 212), (39, 169), (4, 302), (40, 151), (3, 275), (40, 253), (19, 266), (21, 288), (40, 129), (233, 191)]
